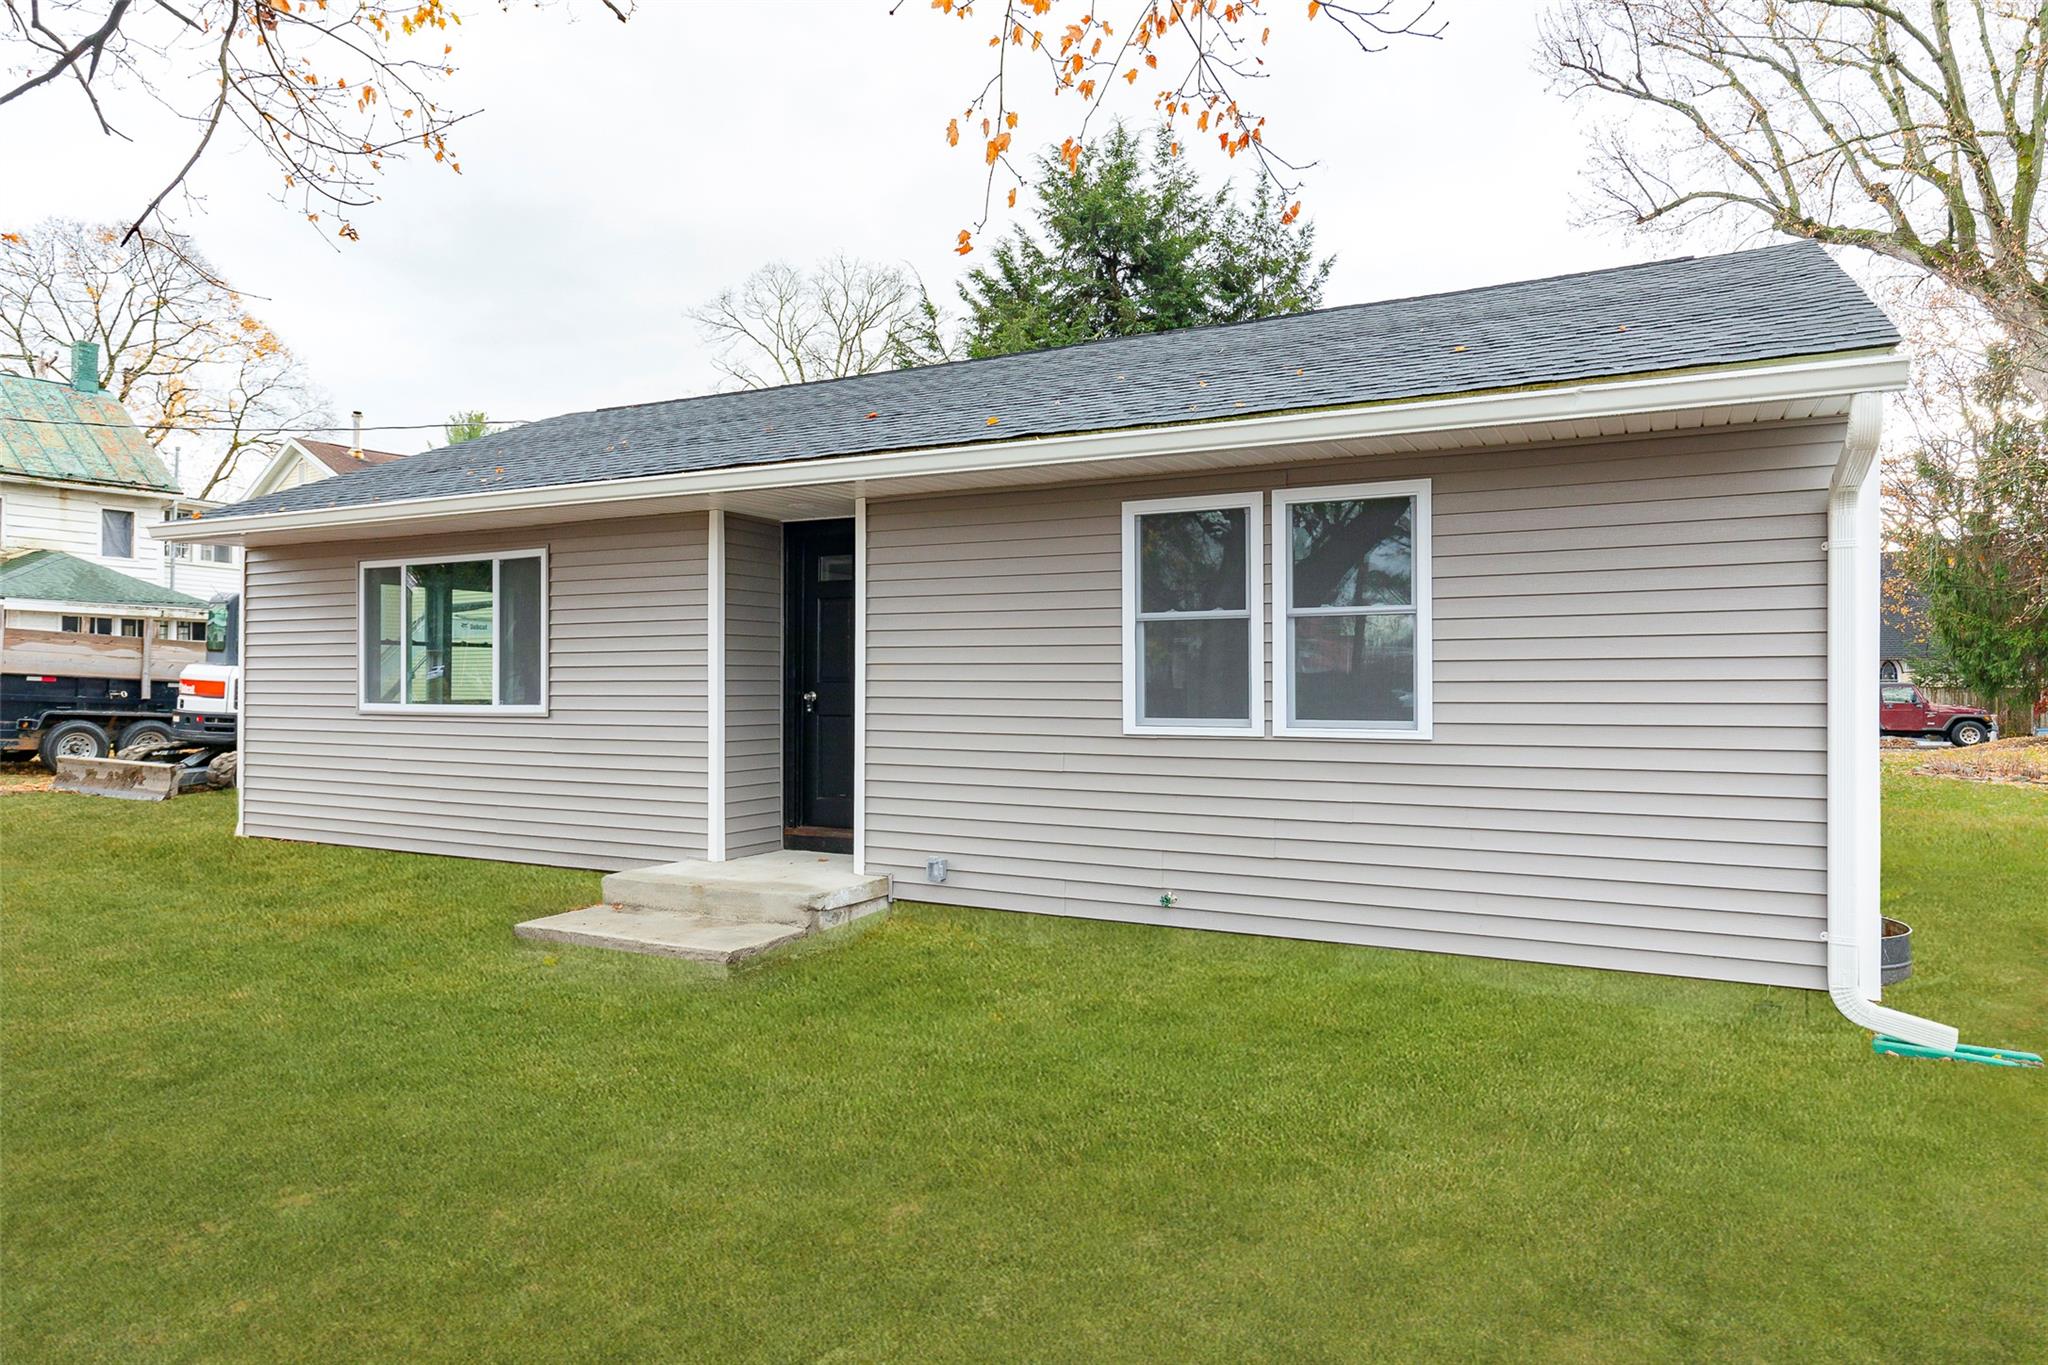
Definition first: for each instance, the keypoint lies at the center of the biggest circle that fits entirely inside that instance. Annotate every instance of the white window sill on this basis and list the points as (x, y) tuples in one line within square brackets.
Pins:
[(452, 709), (1180, 730), (1314, 732)]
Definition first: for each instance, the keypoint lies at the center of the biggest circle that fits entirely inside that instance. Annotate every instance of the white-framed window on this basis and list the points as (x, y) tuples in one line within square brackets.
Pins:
[(1193, 600), (203, 553), (456, 633), (117, 533), (1351, 611)]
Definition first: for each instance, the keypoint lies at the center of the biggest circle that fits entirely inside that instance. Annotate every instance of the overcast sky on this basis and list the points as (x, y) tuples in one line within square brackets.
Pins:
[(617, 176)]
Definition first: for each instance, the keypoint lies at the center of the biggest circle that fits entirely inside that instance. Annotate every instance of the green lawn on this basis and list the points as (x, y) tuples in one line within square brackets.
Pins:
[(275, 1101)]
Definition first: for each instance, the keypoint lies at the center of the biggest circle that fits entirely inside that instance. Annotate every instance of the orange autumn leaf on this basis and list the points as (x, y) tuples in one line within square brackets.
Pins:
[(953, 133)]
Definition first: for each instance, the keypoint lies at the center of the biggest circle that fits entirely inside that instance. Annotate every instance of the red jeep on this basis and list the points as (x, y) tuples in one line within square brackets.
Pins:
[(1902, 710)]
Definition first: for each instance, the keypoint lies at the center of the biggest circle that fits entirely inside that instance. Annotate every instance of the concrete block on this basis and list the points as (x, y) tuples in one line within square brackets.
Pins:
[(122, 778)]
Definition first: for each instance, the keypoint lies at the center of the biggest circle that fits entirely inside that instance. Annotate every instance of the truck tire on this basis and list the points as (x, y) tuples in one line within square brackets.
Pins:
[(140, 739), (223, 770), (1964, 733), (73, 739)]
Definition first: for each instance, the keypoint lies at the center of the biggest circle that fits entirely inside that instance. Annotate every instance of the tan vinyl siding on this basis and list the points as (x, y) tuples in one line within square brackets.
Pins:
[(613, 776), (753, 686), (1628, 764)]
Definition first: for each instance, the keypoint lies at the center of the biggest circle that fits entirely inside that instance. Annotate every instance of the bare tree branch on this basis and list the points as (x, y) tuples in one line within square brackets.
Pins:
[(1913, 129)]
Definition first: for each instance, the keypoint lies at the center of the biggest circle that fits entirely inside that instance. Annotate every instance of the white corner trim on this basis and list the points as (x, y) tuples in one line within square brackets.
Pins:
[(1253, 505), (1853, 779), (860, 686), (1834, 377), (242, 695), (1424, 589), (714, 689)]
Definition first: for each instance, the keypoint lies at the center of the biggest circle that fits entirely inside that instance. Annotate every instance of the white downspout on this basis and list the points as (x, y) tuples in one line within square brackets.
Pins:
[(1853, 919)]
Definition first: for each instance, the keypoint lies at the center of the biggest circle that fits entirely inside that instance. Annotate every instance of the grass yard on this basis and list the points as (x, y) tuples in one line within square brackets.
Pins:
[(277, 1101)]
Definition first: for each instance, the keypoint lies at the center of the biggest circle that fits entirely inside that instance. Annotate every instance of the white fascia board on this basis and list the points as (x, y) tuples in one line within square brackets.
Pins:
[(1840, 376), (109, 490)]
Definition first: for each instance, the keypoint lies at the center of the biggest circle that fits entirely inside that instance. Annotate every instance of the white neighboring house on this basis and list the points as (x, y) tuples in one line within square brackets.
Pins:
[(304, 460), (76, 476)]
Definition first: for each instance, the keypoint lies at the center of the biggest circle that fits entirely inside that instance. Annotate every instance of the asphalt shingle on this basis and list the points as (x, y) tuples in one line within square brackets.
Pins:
[(1772, 303)]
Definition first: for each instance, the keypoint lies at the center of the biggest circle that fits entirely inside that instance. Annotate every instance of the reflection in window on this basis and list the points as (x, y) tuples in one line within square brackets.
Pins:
[(1350, 617), (458, 633), (1193, 618)]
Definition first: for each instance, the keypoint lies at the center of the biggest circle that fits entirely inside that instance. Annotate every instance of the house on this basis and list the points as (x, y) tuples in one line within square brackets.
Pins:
[(303, 460), (1903, 634), (77, 476), (1530, 622)]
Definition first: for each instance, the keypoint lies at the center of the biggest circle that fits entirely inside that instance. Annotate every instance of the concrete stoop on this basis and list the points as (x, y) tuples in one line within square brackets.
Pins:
[(720, 913)]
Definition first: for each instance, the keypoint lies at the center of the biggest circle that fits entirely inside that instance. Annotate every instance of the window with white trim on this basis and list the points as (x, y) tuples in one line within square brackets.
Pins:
[(1351, 612), (1193, 655), (117, 533), (463, 633)]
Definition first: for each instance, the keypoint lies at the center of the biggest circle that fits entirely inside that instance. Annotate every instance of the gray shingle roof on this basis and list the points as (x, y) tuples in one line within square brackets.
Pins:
[(1771, 303)]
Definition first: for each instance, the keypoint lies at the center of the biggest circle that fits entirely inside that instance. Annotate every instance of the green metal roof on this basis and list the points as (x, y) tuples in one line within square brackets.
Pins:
[(53, 576), (52, 431)]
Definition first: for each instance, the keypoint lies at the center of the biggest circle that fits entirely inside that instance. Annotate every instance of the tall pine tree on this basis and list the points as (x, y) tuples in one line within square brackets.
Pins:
[(1127, 243)]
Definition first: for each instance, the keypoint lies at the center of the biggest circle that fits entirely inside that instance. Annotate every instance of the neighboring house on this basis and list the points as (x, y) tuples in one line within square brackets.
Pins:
[(1531, 622), (1903, 635), (303, 460), (77, 476)]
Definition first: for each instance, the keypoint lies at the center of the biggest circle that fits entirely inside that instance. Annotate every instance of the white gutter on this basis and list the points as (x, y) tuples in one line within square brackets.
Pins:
[(1835, 377), (1854, 926)]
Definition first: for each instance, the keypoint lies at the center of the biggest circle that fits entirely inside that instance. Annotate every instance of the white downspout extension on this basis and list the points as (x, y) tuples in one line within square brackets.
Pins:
[(1854, 928)]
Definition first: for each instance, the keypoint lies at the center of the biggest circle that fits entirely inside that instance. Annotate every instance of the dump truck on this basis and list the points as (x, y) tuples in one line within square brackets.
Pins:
[(83, 693)]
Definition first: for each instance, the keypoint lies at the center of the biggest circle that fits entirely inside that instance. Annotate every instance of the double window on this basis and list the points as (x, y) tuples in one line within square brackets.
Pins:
[(1350, 591), (459, 633)]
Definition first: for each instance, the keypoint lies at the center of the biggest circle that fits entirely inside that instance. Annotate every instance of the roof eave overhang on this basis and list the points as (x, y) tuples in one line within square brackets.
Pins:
[(152, 492), (1799, 378)]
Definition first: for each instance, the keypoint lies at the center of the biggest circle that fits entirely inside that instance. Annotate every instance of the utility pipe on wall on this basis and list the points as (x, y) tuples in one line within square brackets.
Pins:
[(1854, 924)]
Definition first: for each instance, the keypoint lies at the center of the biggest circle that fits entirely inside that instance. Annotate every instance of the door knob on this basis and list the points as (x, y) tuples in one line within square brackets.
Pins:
[(810, 701)]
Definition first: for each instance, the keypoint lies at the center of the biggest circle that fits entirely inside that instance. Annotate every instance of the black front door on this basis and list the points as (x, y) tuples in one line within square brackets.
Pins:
[(817, 728)]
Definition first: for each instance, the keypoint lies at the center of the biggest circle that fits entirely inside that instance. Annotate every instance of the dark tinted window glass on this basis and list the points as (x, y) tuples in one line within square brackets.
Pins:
[(1192, 561), (1354, 669), (1354, 552), (1196, 670)]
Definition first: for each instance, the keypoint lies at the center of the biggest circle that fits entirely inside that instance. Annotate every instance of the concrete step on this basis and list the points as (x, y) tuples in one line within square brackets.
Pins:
[(810, 890), (665, 933)]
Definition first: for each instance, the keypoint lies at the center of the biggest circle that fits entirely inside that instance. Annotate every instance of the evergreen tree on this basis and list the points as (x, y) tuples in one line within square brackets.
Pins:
[(1128, 242), (1983, 562)]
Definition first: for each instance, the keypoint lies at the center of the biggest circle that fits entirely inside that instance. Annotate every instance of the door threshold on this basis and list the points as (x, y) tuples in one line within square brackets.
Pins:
[(817, 839)]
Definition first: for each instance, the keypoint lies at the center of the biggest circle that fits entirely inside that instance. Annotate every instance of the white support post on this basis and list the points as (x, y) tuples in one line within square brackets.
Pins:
[(860, 686), (714, 689), (241, 689)]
